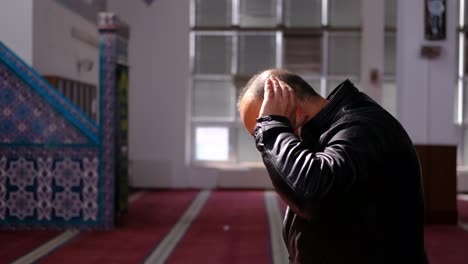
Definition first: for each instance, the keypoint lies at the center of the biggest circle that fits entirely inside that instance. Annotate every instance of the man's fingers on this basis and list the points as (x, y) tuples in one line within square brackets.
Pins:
[(291, 94), (288, 92), (276, 86), (268, 90), (284, 86)]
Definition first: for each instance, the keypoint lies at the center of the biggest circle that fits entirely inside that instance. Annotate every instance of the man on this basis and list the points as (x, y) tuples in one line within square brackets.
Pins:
[(346, 168)]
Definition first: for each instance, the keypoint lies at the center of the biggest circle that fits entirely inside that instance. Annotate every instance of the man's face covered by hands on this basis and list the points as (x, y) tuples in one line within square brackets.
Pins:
[(278, 99)]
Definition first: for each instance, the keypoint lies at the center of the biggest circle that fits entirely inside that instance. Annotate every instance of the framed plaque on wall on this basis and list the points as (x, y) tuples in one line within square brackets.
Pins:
[(435, 19)]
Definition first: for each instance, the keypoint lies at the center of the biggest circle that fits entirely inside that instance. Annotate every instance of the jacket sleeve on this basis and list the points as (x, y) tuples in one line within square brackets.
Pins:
[(302, 177)]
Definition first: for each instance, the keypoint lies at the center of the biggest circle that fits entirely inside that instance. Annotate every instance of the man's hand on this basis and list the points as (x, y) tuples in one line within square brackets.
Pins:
[(279, 99)]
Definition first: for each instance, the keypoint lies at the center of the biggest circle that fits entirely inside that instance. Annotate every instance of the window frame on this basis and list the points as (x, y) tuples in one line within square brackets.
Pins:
[(280, 30)]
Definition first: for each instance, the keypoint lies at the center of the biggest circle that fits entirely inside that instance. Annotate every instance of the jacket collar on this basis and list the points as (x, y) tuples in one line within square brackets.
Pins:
[(342, 95)]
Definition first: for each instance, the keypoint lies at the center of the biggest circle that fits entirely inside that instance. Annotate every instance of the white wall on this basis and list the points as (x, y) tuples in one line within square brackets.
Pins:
[(16, 27), (426, 88), (372, 47), (159, 79), (55, 51)]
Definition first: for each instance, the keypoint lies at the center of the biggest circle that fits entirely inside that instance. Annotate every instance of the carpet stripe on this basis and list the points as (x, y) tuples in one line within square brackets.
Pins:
[(58, 241), (278, 248), (463, 197), (167, 245), (232, 227), (17, 243), (135, 196), (48, 247), (464, 226), (148, 220)]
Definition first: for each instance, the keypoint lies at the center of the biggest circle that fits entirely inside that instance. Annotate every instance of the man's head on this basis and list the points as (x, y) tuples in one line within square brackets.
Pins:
[(251, 97)]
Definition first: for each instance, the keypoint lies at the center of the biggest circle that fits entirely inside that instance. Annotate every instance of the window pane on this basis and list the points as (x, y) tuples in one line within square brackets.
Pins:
[(389, 93), (464, 148), (345, 13), (213, 54), (240, 83), (465, 100), (303, 53), (246, 150), (390, 13), (257, 13), (314, 83), (466, 51), (213, 98), (390, 54), (303, 13), (333, 84), (213, 12), (466, 13), (256, 53), (456, 113), (212, 143), (344, 54)]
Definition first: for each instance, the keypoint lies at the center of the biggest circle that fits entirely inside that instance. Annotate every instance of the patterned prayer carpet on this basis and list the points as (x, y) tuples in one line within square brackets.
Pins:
[(178, 227)]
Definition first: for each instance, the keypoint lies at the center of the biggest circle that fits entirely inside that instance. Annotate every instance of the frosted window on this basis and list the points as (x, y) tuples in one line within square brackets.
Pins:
[(212, 143), (239, 87), (465, 100), (213, 12), (389, 92), (256, 53), (464, 148), (303, 54), (466, 52), (257, 13), (314, 83), (303, 13), (213, 98), (247, 152), (390, 54), (344, 54), (345, 13), (213, 54), (333, 84), (466, 13), (390, 13)]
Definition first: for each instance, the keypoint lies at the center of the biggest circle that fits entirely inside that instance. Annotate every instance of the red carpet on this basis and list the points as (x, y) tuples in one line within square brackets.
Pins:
[(15, 244), (463, 208), (446, 244), (231, 228), (149, 219)]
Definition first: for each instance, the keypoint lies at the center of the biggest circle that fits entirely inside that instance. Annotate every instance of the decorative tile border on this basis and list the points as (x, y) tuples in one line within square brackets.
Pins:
[(26, 118), (108, 60), (8, 57), (55, 187), (62, 183)]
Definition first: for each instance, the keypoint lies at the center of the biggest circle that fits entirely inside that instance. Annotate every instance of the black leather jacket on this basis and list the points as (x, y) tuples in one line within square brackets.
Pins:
[(352, 182)]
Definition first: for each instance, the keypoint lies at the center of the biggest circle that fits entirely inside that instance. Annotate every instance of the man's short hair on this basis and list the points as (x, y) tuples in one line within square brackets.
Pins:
[(301, 88)]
